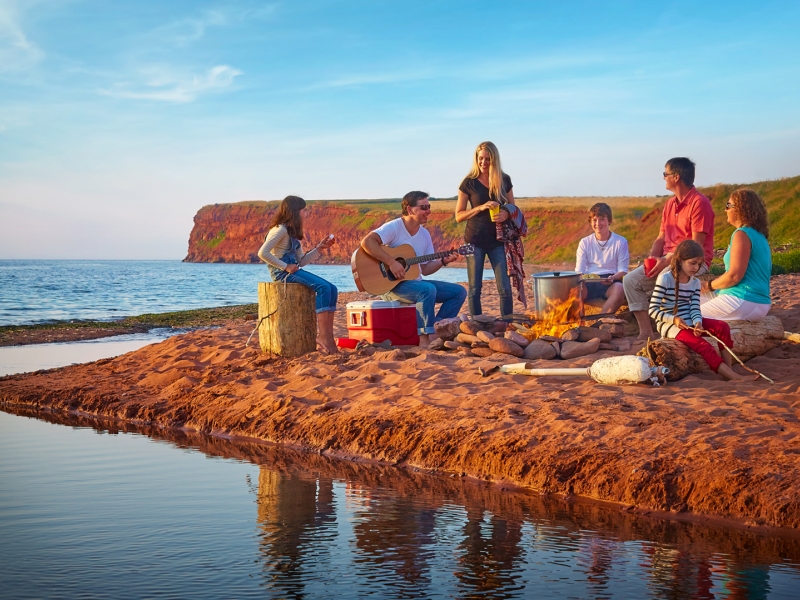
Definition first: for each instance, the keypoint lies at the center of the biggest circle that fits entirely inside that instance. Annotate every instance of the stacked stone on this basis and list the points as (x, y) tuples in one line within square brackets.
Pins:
[(484, 336)]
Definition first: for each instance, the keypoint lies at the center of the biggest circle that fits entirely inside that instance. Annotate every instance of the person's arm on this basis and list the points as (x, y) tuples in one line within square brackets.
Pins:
[(371, 244), (694, 303), (702, 221), (463, 213), (623, 260), (657, 301), (699, 237), (275, 236), (741, 246), (307, 258), (657, 249), (581, 263)]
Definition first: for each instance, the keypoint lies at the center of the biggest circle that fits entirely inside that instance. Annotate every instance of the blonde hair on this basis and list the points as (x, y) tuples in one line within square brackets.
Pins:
[(496, 192)]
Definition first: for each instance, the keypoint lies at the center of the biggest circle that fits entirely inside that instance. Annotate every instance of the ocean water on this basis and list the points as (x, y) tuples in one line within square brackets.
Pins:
[(89, 510), (36, 291)]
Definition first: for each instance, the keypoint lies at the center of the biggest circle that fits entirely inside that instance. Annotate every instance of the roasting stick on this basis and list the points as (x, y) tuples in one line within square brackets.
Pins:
[(721, 343)]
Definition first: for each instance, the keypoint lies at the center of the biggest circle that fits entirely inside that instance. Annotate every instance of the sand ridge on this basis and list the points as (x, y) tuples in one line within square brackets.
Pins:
[(700, 445)]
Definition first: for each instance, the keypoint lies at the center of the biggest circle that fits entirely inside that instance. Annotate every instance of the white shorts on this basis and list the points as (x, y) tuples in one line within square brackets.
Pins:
[(725, 307)]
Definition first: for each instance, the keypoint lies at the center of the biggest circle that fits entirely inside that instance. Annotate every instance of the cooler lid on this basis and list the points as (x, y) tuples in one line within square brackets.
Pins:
[(375, 304)]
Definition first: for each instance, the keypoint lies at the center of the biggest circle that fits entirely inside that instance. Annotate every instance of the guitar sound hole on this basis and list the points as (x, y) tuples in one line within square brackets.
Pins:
[(388, 274)]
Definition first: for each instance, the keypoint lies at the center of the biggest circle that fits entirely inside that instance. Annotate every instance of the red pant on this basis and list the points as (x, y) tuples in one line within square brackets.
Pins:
[(720, 329)]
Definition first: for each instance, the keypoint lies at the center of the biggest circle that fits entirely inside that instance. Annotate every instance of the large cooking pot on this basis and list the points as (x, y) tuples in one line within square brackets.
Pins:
[(556, 286)]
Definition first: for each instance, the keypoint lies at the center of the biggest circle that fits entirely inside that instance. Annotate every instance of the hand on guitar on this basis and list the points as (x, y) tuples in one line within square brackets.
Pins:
[(397, 269), (327, 242)]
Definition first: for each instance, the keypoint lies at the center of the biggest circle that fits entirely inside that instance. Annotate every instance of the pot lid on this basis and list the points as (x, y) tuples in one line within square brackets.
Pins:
[(555, 274)]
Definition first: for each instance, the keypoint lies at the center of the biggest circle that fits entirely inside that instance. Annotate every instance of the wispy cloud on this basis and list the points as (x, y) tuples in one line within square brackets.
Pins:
[(364, 79), (187, 30), (164, 85), (17, 52)]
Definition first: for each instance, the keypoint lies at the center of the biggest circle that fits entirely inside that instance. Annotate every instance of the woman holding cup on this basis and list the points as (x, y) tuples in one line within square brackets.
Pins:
[(481, 197)]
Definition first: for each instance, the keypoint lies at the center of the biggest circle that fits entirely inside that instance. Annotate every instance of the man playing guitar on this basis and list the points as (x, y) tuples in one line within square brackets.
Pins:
[(409, 229)]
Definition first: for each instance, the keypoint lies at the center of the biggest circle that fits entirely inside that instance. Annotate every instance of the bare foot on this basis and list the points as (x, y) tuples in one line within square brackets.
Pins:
[(732, 375), (424, 340), (327, 346)]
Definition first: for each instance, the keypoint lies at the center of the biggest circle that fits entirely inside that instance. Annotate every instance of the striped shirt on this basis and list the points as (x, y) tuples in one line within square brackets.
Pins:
[(662, 303)]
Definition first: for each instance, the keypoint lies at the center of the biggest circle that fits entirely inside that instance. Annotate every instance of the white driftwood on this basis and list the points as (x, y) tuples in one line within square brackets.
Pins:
[(615, 370)]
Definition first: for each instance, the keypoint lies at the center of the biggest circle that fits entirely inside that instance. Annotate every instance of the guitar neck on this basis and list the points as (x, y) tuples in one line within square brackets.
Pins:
[(427, 257)]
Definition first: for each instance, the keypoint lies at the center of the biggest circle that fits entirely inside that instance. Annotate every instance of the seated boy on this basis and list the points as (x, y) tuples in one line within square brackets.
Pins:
[(605, 254)]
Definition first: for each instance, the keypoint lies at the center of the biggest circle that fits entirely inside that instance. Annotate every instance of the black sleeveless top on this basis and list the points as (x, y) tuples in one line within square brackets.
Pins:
[(481, 231)]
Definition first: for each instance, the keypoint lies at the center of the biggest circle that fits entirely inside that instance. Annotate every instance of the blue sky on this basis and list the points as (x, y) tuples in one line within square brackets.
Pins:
[(118, 120)]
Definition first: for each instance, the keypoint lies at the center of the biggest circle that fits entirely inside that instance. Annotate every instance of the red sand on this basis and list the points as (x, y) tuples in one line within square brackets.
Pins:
[(701, 445)]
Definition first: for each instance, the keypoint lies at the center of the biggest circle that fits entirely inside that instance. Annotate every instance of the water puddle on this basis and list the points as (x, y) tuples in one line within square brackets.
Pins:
[(33, 357), (125, 512)]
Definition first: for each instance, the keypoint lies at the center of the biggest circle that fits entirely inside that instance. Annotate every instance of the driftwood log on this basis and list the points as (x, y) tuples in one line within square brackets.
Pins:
[(749, 340), (287, 319)]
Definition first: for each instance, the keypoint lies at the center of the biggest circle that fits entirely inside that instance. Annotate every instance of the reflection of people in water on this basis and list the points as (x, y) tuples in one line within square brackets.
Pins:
[(289, 510), (394, 533), (489, 552)]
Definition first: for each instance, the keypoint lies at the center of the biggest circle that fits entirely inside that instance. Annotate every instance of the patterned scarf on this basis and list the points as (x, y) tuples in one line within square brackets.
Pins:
[(510, 232)]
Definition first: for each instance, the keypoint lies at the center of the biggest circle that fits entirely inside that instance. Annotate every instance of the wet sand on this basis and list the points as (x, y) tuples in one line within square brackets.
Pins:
[(699, 446)]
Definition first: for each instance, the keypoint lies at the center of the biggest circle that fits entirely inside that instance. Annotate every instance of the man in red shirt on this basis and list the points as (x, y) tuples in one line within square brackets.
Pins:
[(687, 216)]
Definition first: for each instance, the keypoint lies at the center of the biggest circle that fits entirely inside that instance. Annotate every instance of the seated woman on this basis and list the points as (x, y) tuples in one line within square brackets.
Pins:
[(284, 255), (743, 291), (603, 253)]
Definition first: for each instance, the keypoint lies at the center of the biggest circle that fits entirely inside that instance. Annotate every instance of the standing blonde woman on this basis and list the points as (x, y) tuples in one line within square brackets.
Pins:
[(284, 255), (743, 291), (481, 197)]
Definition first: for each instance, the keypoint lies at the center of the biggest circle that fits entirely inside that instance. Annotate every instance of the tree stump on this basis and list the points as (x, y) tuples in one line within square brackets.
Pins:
[(287, 318), (749, 340)]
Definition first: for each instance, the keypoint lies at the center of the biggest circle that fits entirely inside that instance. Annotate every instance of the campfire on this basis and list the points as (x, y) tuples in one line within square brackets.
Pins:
[(559, 316)]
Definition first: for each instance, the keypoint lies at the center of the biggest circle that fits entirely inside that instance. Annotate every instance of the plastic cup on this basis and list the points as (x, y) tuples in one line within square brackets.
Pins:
[(649, 264), (493, 212)]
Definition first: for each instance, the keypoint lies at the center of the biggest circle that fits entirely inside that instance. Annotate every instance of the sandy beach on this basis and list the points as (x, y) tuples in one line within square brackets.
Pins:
[(700, 446)]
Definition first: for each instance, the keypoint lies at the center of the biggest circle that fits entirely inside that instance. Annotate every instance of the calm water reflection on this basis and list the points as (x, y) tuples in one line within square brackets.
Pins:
[(131, 516)]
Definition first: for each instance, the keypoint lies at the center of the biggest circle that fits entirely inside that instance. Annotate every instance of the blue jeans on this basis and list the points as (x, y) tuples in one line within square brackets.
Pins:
[(327, 294), (497, 258), (425, 294)]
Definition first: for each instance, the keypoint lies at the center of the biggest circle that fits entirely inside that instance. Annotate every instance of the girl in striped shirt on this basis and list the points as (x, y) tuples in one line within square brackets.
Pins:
[(681, 319)]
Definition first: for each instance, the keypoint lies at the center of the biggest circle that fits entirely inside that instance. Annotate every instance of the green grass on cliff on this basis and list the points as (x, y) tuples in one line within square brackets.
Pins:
[(213, 242), (557, 224)]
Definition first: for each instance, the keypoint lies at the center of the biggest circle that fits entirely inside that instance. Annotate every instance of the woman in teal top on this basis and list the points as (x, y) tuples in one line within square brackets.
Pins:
[(742, 292)]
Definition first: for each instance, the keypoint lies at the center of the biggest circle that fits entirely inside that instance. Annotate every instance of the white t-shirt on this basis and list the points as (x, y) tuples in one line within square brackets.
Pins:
[(394, 233), (610, 256)]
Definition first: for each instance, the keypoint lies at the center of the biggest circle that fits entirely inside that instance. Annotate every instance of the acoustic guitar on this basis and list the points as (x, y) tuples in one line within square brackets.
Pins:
[(374, 277)]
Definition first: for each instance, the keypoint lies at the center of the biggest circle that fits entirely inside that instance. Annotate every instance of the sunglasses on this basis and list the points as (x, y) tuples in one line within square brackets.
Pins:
[(424, 206), (729, 205), (665, 174)]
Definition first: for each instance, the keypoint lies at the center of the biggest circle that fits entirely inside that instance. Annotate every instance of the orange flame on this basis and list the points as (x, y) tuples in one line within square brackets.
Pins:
[(560, 316)]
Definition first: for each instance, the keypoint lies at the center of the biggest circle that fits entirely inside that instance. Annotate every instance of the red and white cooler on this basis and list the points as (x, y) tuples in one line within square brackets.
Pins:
[(380, 320)]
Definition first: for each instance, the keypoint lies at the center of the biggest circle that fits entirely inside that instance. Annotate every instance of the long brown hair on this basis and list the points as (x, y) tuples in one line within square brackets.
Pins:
[(751, 210), (686, 250), (496, 191), (289, 215)]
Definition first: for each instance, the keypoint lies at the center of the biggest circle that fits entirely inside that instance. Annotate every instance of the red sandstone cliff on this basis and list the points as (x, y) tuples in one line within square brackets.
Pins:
[(233, 233)]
